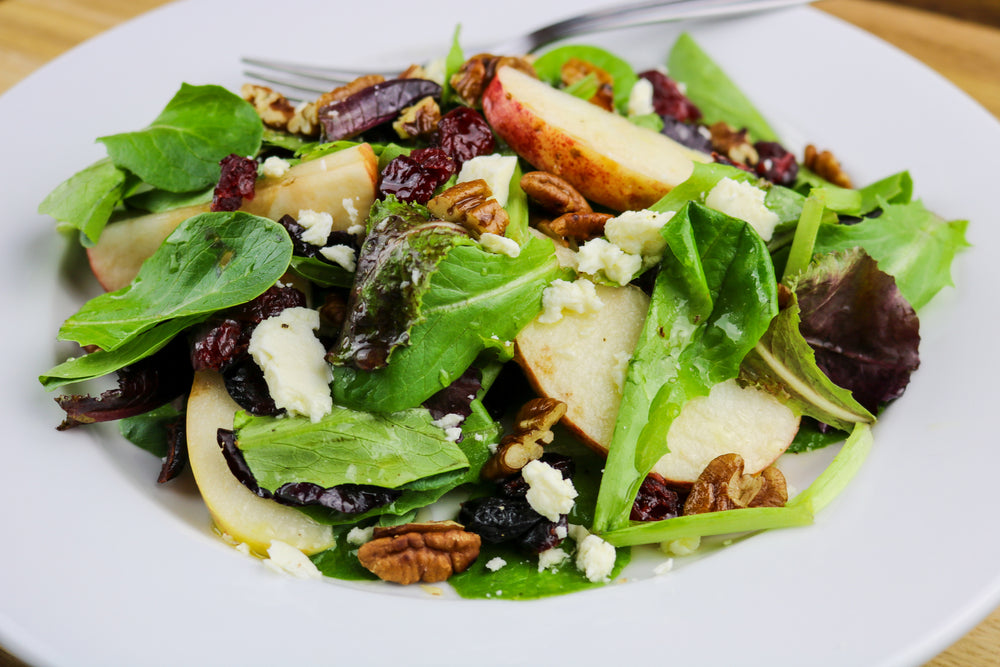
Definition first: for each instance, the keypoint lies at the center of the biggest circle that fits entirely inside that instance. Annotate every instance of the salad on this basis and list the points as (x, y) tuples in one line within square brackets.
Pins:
[(496, 320)]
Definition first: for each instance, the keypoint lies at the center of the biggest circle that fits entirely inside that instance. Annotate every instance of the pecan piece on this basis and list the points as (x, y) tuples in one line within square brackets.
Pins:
[(825, 165), (580, 226), (723, 486), (575, 70), (553, 193), (472, 205), (429, 552), (418, 120), (272, 107), (532, 429), (733, 143), (475, 75)]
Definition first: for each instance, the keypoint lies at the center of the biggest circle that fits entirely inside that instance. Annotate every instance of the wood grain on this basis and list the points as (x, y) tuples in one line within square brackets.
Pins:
[(958, 38)]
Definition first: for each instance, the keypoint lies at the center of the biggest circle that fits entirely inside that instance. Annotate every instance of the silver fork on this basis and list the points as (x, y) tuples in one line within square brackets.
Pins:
[(319, 79)]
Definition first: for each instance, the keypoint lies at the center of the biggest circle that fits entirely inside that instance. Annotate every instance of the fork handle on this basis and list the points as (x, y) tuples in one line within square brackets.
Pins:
[(640, 13)]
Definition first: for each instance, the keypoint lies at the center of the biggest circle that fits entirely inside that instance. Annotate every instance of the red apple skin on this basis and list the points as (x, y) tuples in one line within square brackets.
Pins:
[(612, 168)]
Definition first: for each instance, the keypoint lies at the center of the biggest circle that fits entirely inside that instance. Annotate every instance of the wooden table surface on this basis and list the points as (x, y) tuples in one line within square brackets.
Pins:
[(958, 38)]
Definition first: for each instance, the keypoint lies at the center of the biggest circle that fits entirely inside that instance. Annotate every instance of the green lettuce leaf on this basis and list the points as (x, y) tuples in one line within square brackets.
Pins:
[(181, 149), (714, 298), (86, 199)]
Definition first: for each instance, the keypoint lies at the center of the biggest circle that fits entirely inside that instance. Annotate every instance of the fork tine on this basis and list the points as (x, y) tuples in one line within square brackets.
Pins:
[(327, 75), (313, 87)]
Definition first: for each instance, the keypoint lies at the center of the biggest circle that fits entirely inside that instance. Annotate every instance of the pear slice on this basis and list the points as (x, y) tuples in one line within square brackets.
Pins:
[(610, 160), (341, 184), (582, 360), (237, 511)]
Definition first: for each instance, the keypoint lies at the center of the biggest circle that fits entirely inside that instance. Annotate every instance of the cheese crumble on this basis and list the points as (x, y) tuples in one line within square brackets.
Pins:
[(579, 296), (548, 493), (744, 201)]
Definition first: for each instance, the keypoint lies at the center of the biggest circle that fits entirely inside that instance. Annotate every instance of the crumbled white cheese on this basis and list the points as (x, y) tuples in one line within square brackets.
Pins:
[(640, 98), (341, 254), (601, 256), (450, 424), (287, 559), (684, 546), (595, 558), (561, 532), (548, 493), (495, 169), (351, 210), (500, 245), (744, 201), (578, 533), (318, 226), (551, 558), (294, 364), (358, 535), (579, 296), (356, 230), (664, 567), (495, 564), (275, 167), (638, 232)]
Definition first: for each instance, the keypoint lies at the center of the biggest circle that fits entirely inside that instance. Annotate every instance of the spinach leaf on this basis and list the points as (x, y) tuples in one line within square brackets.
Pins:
[(346, 447), (713, 299), (549, 69), (910, 243), (322, 273), (181, 149), (86, 199), (210, 262), (458, 322), (713, 92), (149, 430)]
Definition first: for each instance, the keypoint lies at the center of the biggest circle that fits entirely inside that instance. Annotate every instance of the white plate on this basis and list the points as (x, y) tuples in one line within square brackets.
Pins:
[(100, 566)]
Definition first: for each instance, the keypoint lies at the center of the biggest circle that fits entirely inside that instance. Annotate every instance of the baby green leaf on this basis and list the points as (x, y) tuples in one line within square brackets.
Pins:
[(210, 262), (86, 199), (181, 149)]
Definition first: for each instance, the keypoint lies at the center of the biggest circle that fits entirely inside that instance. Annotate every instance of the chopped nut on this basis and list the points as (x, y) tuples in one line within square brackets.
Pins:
[(733, 143), (472, 205), (475, 74), (532, 429), (272, 107), (825, 165), (575, 69), (429, 552), (553, 193), (580, 226), (418, 120), (723, 486)]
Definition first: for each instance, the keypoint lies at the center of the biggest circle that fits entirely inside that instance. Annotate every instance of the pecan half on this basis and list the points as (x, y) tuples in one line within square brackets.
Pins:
[(580, 226), (553, 193), (825, 165), (472, 205), (532, 429), (277, 112), (723, 486), (429, 552), (575, 70)]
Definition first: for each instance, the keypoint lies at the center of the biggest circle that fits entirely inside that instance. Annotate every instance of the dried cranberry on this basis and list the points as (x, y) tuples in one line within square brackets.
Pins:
[(414, 177), (438, 164), (544, 535), (270, 303), (655, 501), (346, 498), (237, 463), (776, 164), (668, 100), (215, 345), (498, 520), (464, 134), (245, 383), (236, 183)]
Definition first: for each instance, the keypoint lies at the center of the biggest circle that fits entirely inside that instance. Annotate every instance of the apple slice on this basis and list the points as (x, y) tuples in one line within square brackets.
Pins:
[(608, 159), (236, 510), (341, 184), (582, 359)]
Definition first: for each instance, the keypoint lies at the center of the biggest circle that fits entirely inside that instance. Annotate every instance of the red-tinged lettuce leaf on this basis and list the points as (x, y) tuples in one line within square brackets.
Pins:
[(372, 106), (910, 243), (864, 332), (394, 270), (783, 364)]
